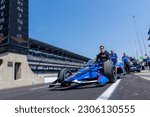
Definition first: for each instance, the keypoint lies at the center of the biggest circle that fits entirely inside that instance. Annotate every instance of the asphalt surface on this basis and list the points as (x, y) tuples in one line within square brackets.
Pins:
[(131, 87)]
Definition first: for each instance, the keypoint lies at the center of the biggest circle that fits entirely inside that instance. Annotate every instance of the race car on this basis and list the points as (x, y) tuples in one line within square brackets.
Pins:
[(95, 72), (135, 66)]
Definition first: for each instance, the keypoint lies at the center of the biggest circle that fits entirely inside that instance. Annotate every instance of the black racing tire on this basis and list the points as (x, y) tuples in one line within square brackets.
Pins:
[(62, 75), (138, 70), (110, 72)]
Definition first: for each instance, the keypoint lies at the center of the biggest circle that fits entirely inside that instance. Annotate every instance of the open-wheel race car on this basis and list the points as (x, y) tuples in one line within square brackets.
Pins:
[(135, 66), (95, 72)]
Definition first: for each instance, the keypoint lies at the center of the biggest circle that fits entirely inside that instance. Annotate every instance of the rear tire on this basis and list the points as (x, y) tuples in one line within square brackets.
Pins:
[(110, 72), (62, 75)]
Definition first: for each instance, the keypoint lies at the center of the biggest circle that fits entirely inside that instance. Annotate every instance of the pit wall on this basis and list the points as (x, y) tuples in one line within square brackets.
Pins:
[(15, 71)]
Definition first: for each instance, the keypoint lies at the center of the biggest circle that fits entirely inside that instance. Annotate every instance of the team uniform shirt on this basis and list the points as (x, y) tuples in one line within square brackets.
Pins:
[(114, 57), (125, 59), (103, 57), (148, 61)]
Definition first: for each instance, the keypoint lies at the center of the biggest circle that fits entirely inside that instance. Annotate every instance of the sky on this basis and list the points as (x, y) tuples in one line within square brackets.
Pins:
[(81, 26)]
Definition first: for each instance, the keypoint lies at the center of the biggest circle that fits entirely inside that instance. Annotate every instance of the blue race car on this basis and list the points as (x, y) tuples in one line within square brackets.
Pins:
[(95, 72), (136, 66)]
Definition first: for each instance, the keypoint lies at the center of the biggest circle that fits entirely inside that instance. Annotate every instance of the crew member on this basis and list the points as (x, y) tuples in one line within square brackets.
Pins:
[(103, 56), (133, 60), (148, 62), (126, 61), (114, 57)]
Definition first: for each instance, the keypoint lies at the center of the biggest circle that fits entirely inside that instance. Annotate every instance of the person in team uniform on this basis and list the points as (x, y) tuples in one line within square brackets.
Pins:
[(126, 61), (148, 62), (114, 57)]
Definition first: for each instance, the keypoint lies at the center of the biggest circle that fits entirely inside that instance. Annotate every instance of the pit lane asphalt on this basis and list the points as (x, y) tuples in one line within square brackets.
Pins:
[(131, 87)]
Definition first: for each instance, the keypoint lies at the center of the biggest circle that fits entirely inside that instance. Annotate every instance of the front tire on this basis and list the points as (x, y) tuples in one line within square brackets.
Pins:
[(62, 75), (110, 72)]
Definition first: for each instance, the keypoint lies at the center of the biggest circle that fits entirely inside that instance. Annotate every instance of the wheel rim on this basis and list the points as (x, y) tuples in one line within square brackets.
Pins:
[(66, 75)]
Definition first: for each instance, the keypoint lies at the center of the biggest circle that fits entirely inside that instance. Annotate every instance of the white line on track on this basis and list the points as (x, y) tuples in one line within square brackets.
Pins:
[(39, 88), (109, 91)]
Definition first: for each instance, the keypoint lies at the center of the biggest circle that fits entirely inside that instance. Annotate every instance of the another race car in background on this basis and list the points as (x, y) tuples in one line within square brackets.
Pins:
[(135, 66), (95, 72)]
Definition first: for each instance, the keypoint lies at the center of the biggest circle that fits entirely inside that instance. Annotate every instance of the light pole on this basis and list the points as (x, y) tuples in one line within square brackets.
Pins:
[(136, 50), (138, 38), (144, 44)]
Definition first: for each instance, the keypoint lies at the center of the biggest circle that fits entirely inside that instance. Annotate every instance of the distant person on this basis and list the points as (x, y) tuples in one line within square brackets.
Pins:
[(133, 60), (114, 57), (145, 60), (126, 61), (104, 55), (148, 62)]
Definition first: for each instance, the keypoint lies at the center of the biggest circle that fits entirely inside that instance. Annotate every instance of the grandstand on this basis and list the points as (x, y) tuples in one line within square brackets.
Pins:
[(43, 57)]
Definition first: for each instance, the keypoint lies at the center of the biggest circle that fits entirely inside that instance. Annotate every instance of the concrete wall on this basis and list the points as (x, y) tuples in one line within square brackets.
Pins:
[(24, 73), (49, 77)]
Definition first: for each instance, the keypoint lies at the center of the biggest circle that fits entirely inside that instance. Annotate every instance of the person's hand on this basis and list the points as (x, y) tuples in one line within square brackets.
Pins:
[(107, 61)]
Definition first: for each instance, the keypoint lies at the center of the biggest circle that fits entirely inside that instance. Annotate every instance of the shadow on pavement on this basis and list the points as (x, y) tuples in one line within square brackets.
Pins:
[(75, 87)]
